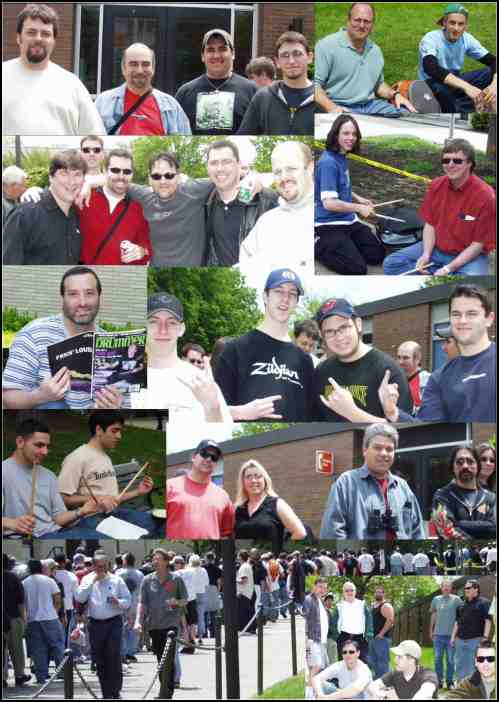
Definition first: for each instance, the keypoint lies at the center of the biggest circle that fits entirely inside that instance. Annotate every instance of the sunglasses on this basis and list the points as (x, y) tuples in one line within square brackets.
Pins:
[(348, 652), (117, 171), (469, 587), (166, 176), (206, 454), (482, 659), (196, 361), (92, 149), (457, 161), (465, 460)]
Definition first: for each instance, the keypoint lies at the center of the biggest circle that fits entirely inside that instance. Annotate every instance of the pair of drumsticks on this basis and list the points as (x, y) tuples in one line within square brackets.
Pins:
[(130, 483)]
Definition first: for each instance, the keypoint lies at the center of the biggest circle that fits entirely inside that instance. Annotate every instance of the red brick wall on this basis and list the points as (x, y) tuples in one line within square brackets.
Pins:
[(410, 324), (274, 19), (482, 431)]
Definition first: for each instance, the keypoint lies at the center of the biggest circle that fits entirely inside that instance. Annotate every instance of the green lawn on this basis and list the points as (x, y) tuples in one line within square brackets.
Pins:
[(290, 689), (400, 27)]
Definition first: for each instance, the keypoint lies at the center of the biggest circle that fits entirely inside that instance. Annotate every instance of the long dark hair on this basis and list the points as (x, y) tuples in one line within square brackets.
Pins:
[(332, 138)]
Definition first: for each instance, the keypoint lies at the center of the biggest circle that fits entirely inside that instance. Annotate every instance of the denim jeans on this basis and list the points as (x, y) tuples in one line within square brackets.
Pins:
[(379, 656), (405, 260), (201, 608), (465, 657), (397, 569), (455, 100), (265, 604), (329, 687), (87, 526), (46, 642), (283, 598), (374, 107), (442, 647)]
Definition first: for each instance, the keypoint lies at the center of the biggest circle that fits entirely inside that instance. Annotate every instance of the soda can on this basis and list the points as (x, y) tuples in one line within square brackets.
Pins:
[(246, 189)]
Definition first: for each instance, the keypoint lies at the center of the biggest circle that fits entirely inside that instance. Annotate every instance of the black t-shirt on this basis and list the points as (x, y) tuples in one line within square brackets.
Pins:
[(259, 572), (216, 106), (214, 573), (256, 365), (226, 225), (362, 378), (471, 618), (350, 565), (264, 524), (295, 96), (13, 594), (406, 689)]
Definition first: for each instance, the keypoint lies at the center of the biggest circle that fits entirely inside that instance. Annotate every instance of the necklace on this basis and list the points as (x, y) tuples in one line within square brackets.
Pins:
[(216, 88)]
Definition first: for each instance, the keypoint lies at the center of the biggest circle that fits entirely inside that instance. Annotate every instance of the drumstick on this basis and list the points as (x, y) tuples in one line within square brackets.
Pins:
[(389, 202), (89, 489), (393, 219), (133, 480), (421, 268)]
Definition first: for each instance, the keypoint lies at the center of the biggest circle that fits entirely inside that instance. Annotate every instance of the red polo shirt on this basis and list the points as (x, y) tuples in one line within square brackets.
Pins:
[(95, 222), (461, 216)]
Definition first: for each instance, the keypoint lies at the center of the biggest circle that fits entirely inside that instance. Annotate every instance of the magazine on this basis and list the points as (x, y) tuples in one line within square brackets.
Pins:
[(75, 354), (119, 360)]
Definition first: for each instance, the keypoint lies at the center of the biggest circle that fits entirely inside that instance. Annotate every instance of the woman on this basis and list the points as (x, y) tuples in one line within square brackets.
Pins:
[(342, 242), (487, 466), (260, 513)]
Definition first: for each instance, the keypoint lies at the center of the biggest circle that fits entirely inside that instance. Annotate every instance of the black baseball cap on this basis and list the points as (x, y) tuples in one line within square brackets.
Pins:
[(209, 444), (163, 302), (335, 306)]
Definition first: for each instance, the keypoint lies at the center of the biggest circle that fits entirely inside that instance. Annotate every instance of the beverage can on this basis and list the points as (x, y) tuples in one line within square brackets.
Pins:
[(246, 189)]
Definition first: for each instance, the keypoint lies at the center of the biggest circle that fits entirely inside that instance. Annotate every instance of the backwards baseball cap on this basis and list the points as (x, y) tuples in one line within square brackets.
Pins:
[(408, 648), (163, 302), (283, 275), (209, 444), (335, 306), (454, 7), (218, 33), (445, 332)]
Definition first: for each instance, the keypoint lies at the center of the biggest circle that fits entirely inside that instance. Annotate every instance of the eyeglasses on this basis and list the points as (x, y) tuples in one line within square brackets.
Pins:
[(457, 161), (469, 587), (465, 459), (92, 149), (286, 55), (206, 454), (344, 329), (166, 176), (349, 652), (482, 659), (117, 171)]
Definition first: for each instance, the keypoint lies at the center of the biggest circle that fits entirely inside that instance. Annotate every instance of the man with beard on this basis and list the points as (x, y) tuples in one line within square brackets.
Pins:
[(135, 107), (463, 509), (284, 235), (38, 96), (409, 358), (92, 151), (383, 616), (473, 622), (27, 379)]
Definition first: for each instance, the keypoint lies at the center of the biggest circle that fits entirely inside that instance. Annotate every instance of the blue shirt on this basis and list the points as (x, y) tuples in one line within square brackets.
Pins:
[(356, 494), (332, 180), (449, 54)]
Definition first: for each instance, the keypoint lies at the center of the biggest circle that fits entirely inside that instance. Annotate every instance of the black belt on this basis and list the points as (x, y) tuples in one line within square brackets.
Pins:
[(99, 621)]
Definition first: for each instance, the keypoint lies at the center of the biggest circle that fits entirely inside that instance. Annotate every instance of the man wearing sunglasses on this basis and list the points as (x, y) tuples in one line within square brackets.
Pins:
[(473, 622), (349, 677), (196, 507), (194, 354), (459, 211), (481, 684), (92, 151)]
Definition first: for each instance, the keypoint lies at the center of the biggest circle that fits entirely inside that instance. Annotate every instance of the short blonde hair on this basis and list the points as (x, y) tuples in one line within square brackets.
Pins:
[(242, 495)]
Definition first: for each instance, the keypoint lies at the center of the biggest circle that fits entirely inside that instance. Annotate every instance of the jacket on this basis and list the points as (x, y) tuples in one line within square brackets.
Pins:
[(269, 113), (312, 618), (111, 107), (470, 688), (452, 517), (265, 200)]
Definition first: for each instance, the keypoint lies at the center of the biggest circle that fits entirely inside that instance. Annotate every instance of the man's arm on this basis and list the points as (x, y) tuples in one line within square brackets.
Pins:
[(468, 254), (388, 612), (425, 692), (385, 92), (429, 239), (64, 518), (433, 620), (56, 599), (324, 101), (13, 239), (20, 525)]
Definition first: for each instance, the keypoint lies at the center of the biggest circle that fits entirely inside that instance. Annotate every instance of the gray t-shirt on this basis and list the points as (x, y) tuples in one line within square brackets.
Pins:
[(176, 225), (154, 597), (445, 607), (346, 677), (16, 496)]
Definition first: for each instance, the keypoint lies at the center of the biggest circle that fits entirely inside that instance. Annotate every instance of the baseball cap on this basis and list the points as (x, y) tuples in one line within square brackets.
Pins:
[(163, 302), (445, 332), (283, 275), (454, 7), (335, 306), (408, 648), (218, 33), (209, 444)]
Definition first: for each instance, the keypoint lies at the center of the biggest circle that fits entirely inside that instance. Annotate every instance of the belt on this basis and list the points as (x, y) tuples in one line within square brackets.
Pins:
[(99, 621)]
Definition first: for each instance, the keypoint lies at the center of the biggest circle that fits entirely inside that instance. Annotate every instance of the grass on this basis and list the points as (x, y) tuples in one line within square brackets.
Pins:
[(290, 689), (400, 27)]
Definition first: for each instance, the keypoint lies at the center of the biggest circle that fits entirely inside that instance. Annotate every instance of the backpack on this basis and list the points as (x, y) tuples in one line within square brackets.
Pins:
[(273, 569), (397, 235)]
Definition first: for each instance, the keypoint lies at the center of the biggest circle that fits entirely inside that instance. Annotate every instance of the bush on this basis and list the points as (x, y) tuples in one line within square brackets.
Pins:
[(107, 326), (13, 320), (480, 121)]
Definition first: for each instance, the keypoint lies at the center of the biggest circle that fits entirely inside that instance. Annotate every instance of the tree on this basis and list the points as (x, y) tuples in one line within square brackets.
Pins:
[(189, 152), (441, 280), (401, 591), (264, 146), (253, 428)]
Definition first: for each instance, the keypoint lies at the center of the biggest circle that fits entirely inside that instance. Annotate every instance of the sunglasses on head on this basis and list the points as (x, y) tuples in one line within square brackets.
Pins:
[(206, 454), (482, 659), (92, 149), (457, 161), (465, 459), (117, 171), (348, 651), (166, 176)]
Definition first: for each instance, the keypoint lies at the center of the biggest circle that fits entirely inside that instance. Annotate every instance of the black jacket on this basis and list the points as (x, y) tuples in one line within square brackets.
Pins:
[(478, 523), (265, 200), (269, 113)]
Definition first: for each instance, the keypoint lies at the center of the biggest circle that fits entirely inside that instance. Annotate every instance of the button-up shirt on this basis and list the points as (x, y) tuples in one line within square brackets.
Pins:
[(97, 592)]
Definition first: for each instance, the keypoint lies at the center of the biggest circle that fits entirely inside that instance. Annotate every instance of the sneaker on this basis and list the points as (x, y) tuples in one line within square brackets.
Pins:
[(131, 659), (422, 97), (23, 679)]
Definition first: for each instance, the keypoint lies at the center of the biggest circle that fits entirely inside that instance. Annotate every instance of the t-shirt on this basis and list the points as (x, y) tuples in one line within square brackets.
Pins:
[(245, 571), (39, 590), (197, 510), (146, 119), (445, 608), (449, 54), (296, 96), (332, 180), (216, 106), (95, 466), (366, 563), (154, 597), (421, 560), (345, 676), (256, 365), (133, 580), (362, 378), (16, 495), (70, 583), (406, 689), (471, 617)]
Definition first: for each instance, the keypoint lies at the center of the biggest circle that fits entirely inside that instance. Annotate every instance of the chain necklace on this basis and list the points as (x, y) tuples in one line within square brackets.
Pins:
[(216, 88)]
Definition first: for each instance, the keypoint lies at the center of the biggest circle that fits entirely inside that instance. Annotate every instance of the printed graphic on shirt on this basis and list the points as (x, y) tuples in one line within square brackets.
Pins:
[(358, 392), (280, 371), (215, 110)]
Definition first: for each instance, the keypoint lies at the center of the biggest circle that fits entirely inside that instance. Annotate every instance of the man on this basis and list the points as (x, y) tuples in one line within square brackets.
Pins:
[(261, 70), (89, 472), (443, 617), (229, 219), (459, 212), (365, 562), (27, 379), (215, 103), (193, 354), (13, 186), (383, 616), (329, 567), (481, 684), (409, 357), (287, 106), (14, 612), (306, 337), (396, 562), (92, 151), (409, 681), (463, 390), (473, 622), (347, 385), (351, 675), (421, 563), (108, 598), (245, 588), (162, 596), (262, 374), (441, 57), (113, 228), (283, 236), (349, 70), (47, 232), (38, 96), (463, 509), (352, 620), (449, 346), (197, 508), (408, 559), (316, 628), (215, 575), (48, 514), (135, 107), (370, 502), (69, 582)]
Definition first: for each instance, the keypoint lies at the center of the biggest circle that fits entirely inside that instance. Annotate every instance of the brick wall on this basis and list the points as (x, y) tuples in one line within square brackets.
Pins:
[(36, 289), (412, 323), (482, 432), (274, 18)]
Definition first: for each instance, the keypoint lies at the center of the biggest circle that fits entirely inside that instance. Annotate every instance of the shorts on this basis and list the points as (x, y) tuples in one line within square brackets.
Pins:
[(191, 613), (316, 656)]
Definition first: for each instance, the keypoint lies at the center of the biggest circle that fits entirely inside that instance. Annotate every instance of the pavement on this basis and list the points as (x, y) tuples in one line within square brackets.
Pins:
[(198, 670)]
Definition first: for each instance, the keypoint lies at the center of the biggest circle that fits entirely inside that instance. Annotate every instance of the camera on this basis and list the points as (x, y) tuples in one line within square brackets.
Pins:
[(381, 522)]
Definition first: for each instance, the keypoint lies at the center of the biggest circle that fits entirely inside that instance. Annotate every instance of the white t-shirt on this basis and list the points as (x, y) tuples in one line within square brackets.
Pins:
[(366, 563), (421, 560), (52, 102), (352, 618), (245, 571), (408, 559), (491, 555), (200, 580), (70, 584), (345, 676), (324, 619), (187, 575), (38, 590)]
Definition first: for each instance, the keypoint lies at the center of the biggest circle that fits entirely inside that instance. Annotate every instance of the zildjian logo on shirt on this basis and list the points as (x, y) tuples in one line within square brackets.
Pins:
[(281, 372), (359, 392)]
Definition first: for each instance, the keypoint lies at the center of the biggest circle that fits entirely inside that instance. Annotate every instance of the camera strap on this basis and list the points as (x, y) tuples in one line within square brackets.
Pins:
[(129, 112)]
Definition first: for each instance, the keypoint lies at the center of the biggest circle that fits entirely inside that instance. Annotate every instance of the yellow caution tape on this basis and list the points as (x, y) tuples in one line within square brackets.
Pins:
[(385, 167)]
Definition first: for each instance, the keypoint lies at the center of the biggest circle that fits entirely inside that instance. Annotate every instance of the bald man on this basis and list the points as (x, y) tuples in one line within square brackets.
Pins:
[(135, 107), (409, 358)]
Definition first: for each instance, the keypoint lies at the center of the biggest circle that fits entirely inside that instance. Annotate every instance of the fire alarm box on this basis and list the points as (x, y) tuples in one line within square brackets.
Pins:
[(324, 462)]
